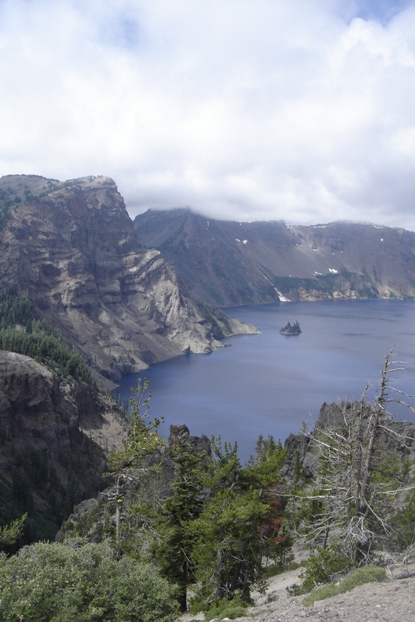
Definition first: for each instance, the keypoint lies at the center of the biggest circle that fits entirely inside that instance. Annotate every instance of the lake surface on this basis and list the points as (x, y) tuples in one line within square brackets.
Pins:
[(271, 383)]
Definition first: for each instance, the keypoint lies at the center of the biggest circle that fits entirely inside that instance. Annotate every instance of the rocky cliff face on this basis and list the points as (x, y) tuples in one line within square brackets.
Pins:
[(232, 263), (72, 249), (54, 436)]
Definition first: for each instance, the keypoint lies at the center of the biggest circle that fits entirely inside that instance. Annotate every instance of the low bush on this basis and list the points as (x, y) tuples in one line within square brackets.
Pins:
[(368, 574), (48, 582), (231, 609), (322, 566)]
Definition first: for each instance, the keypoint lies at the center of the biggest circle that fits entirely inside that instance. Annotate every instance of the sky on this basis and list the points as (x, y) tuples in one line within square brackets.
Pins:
[(301, 110)]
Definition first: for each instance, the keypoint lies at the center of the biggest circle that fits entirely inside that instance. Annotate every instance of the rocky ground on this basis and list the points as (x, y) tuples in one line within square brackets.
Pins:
[(393, 601)]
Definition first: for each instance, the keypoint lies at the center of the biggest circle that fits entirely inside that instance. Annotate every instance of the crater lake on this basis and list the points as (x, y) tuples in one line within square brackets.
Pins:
[(271, 383)]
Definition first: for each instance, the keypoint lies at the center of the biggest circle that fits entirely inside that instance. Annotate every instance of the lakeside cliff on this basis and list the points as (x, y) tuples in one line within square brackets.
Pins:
[(70, 247), (238, 263)]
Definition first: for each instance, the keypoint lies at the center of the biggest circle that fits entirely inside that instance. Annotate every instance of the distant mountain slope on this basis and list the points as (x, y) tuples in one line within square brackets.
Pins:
[(231, 263), (70, 247)]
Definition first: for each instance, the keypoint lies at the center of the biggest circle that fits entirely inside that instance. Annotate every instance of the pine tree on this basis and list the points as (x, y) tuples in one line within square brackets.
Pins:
[(231, 528), (143, 441), (176, 533)]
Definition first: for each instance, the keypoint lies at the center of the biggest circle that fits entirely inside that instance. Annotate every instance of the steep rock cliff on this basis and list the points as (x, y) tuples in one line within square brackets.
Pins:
[(54, 437), (235, 263), (72, 249)]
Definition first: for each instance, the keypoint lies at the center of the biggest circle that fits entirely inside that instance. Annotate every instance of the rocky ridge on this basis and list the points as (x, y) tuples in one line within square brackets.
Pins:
[(72, 249), (237, 263), (54, 439)]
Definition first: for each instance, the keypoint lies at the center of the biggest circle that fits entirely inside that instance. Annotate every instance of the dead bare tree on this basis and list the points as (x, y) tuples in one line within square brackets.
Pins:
[(359, 481)]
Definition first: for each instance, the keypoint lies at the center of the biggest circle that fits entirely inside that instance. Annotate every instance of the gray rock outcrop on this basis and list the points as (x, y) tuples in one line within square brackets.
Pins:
[(72, 249)]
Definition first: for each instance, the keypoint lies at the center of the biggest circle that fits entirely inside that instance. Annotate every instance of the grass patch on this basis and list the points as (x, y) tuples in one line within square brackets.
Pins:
[(368, 574), (226, 609)]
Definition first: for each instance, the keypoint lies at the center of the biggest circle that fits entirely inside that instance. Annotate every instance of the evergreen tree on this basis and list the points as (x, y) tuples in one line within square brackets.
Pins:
[(229, 548), (143, 441), (175, 525)]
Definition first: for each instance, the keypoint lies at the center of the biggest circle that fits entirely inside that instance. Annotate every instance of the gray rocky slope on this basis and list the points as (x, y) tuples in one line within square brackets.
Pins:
[(72, 249), (54, 439), (234, 263), (386, 602)]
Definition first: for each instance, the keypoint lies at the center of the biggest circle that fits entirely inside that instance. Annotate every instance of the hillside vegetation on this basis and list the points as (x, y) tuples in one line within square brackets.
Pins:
[(208, 524), (21, 332)]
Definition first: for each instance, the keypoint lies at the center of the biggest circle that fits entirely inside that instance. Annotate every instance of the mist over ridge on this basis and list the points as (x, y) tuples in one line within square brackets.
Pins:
[(228, 263)]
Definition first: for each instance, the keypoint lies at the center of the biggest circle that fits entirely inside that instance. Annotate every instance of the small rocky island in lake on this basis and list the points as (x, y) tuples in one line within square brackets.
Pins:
[(291, 329)]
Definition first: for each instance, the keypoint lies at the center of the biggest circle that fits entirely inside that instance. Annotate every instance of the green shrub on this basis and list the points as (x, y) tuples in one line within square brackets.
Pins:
[(60, 583), (226, 609), (321, 567), (368, 574)]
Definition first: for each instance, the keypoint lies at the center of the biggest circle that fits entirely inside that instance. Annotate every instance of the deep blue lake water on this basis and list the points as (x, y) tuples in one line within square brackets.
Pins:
[(271, 383)]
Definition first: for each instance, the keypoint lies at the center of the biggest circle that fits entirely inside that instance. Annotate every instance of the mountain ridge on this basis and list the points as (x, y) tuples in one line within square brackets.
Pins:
[(72, 273), (70, 247), (230, 263)]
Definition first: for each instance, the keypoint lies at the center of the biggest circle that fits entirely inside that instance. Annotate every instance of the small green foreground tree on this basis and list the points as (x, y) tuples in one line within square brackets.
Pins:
[(143, 439), (10, 534), (142, 443), (236, 529)]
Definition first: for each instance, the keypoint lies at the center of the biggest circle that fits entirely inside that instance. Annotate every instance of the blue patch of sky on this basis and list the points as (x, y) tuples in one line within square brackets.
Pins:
[(380, 10), (129, 32), (123, 32)]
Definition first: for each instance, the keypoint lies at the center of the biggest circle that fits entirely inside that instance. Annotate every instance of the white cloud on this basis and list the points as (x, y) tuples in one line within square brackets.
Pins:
[(240, 109)]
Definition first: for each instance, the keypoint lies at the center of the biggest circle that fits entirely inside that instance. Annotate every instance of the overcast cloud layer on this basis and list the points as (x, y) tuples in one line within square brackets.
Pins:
[(301, 110)]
